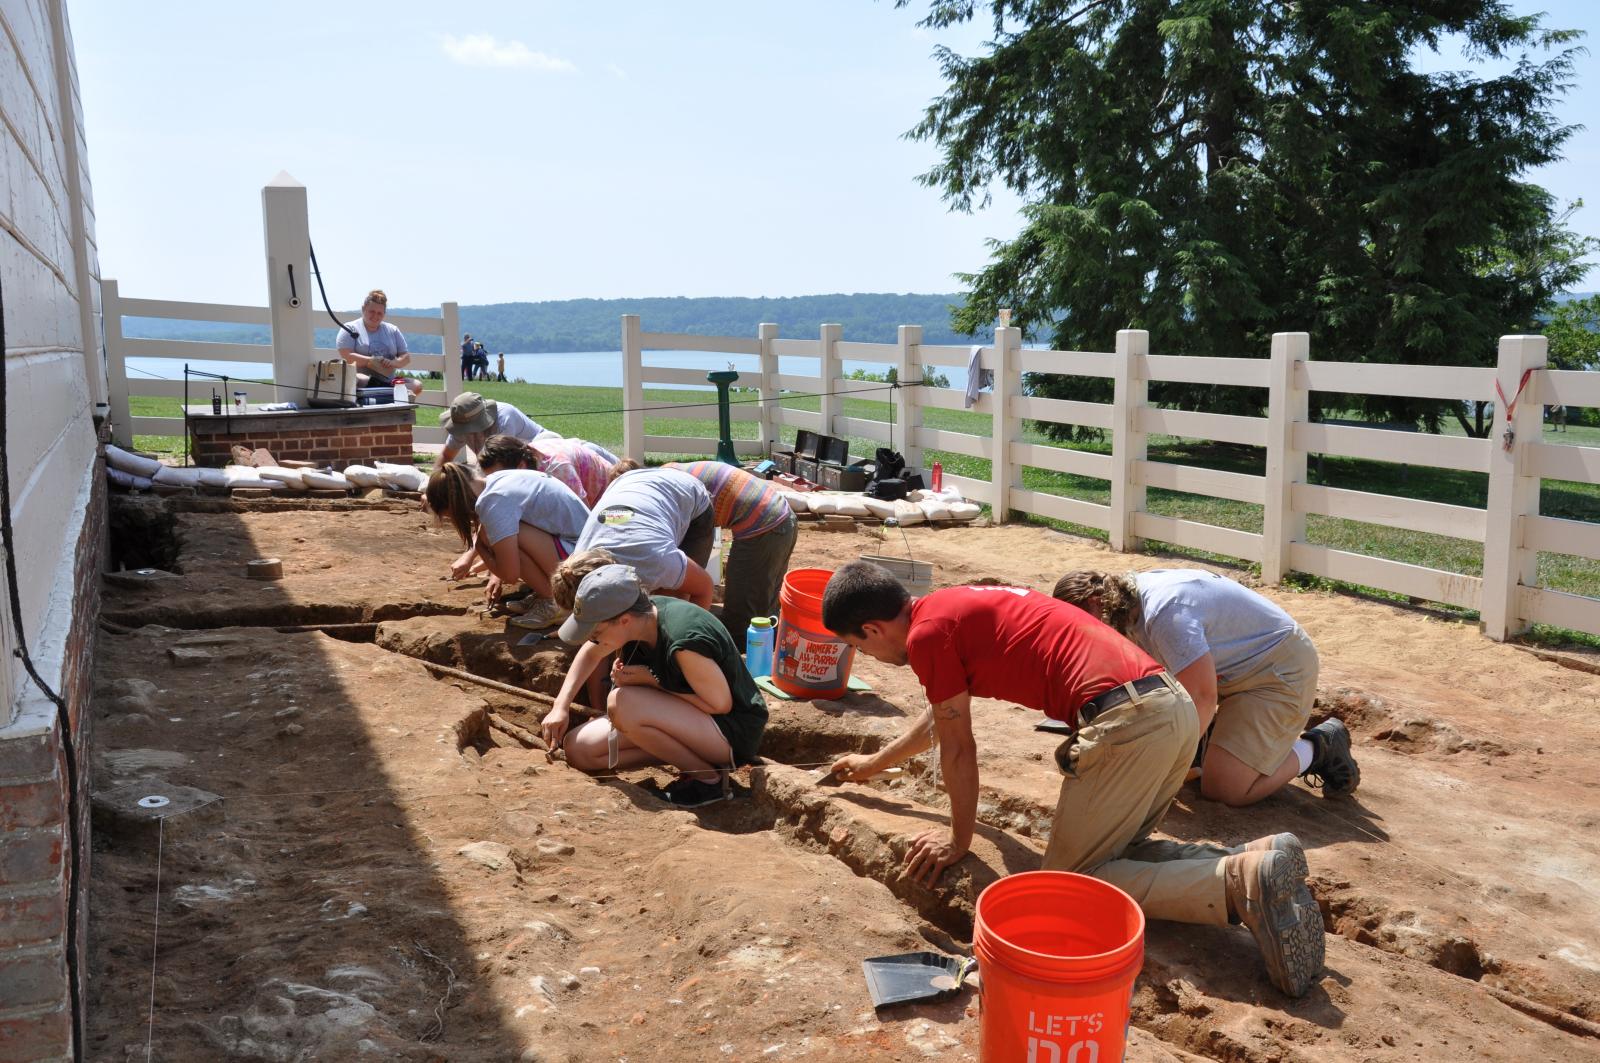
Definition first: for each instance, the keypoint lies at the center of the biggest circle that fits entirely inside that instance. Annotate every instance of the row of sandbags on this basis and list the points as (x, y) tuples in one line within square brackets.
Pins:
[(137, 472), (906, 511)]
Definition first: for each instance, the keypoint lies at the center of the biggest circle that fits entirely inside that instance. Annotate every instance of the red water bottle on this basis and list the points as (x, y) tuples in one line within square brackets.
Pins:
[(937, 476)]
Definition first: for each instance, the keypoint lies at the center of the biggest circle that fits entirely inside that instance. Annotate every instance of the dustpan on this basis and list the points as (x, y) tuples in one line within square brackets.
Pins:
[(913, 977)]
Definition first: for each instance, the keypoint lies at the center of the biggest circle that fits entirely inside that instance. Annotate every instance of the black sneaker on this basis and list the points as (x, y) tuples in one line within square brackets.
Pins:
[(1333, 770), (689, 792)]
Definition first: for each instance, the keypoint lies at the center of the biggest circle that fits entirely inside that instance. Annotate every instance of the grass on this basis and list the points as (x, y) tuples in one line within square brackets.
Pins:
[(594, 413)]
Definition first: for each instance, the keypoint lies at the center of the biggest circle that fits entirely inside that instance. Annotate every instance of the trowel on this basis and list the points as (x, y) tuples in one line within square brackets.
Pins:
[(915, 976)]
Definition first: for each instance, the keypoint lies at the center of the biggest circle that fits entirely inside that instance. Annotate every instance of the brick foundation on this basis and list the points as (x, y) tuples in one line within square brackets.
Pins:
[(340, 437), (35, 1016)]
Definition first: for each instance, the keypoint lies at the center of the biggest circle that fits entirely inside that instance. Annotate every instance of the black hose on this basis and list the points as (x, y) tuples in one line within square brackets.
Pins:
[(69, 753), (317, 273)]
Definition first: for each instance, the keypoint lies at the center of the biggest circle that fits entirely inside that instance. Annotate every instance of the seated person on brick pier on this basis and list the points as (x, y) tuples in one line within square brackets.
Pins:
[(472, 419), (1134, 735), (1250, 669), (522, 524), (680, 692), (376, 348)]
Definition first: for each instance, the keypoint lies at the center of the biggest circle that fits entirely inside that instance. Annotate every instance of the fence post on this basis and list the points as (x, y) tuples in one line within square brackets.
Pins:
[(908, 398), (766, 332), (1130, 392), (831, 372), (288, 237), (116, 364), (450, 342), (1007, 382), (1287, 405), (1512, 492), (632, 389)]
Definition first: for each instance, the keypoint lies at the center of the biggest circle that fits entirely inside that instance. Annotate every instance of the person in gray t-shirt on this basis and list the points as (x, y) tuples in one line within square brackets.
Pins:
[(375, 347), (658, 521), (519, 522), (1246, 664)]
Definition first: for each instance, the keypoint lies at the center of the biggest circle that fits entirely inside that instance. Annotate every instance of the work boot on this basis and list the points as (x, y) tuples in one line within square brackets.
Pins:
[(1283, 843), (1265, 895), (1333, 769)]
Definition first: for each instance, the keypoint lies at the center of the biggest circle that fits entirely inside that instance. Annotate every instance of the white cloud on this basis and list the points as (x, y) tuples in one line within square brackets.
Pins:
[(616, 71), (481, 49)]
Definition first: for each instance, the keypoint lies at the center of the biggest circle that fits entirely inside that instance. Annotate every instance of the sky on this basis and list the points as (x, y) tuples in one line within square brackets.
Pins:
[(486, 152)]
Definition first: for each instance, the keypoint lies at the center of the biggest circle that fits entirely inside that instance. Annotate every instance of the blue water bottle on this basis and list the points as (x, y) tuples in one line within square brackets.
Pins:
[(758, 646)]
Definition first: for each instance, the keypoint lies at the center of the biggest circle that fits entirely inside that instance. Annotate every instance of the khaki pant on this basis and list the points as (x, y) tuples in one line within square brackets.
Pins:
[(1126, 768), (1260, 715)]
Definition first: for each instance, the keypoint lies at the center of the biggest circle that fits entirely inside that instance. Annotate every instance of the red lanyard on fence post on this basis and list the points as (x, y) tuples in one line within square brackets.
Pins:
[(1510, 406)]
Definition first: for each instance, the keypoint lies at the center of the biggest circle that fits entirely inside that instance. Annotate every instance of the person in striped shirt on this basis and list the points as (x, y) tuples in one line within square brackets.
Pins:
[(763, 529)]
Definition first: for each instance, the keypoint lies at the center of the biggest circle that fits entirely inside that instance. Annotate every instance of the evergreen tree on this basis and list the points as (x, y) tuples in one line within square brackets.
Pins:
[(1215, 171)]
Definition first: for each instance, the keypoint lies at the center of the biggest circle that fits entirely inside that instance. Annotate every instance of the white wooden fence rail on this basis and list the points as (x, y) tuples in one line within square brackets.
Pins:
[(125, 385), (1510, 527)]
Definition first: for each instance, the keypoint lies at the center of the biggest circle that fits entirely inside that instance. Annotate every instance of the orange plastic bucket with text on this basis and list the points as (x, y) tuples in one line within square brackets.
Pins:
[(1059, 954), (808, 661)]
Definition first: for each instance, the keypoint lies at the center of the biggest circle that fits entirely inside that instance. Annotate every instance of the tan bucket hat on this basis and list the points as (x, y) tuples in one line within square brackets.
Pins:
[(470, 412)]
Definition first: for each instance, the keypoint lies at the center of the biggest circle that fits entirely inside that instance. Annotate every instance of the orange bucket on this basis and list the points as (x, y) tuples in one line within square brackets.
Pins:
[(1059, 954), (809, 661)]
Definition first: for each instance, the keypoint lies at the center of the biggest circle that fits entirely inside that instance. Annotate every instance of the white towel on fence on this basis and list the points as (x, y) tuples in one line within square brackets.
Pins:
[(978, 377)]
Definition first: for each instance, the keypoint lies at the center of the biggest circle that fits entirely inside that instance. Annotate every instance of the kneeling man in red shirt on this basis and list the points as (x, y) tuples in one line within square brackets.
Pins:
[(1134, 737)]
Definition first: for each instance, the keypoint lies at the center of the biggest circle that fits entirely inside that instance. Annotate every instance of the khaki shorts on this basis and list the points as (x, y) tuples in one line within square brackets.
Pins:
[(1260, 715)]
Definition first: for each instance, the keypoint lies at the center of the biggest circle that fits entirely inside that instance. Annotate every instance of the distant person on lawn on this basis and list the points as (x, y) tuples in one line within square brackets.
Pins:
[(1133, 738), (376, 348), (472, 419), (501, 374), (466, 357), (1250, 669), (680, 692)]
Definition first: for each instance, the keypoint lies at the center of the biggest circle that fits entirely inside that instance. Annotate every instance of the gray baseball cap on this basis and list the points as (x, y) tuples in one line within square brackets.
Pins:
[(470, 412), (604, 593)]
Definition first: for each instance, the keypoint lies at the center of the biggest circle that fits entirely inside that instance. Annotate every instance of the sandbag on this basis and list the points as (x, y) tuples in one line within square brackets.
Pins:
[(851, 506), (244, 476), (965, 510), (878, 507), (823, 503), (290, 478), (127, 480), (363, 476), (128, 462), (934, 509), (400, 477), (797, 501), (908, 513), (173, 476), (325, 481)]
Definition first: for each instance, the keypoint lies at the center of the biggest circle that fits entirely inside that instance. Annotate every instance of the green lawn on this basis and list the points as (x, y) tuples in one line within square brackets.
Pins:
[(595, 414)]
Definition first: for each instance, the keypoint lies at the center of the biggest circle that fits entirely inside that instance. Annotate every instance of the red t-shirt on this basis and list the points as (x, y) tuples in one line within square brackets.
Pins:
[(1018, 645)]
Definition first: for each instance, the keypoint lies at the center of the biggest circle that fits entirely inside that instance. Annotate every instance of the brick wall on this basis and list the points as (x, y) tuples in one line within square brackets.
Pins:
[(35, 1017), (348, 445)]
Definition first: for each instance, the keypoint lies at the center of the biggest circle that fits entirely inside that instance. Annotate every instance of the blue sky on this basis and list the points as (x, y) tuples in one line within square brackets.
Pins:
[(489, 152)]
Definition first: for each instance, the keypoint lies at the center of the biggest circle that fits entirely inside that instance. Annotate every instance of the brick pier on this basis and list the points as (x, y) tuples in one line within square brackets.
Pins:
[(348, 436)]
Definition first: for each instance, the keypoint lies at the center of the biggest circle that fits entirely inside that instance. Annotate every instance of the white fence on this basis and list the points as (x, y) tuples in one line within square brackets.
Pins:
[(125, 384), (1510, 528)]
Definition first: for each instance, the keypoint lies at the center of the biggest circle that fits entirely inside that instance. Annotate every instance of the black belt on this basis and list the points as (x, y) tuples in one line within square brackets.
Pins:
[(1117, 696)]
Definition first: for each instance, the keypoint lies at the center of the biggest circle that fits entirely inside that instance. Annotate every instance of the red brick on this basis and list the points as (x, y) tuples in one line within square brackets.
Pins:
[(46, 1035), (33, 976), (30, 856), (31, 918), (36, 804)]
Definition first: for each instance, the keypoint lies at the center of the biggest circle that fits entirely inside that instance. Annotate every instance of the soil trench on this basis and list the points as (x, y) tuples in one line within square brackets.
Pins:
[(440, 891)]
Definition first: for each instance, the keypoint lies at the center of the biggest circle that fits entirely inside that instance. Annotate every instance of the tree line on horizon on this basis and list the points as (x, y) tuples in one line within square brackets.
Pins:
[(596, 324)]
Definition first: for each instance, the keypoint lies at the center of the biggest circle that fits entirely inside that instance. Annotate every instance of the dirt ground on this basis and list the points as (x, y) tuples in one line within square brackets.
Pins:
[(390, 876)]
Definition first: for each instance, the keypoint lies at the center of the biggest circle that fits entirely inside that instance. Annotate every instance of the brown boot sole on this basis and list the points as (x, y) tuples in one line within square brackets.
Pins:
[(1290, 932)]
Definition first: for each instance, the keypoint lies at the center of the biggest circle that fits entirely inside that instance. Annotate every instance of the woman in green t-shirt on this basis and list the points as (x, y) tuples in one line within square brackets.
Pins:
[(680, 692)]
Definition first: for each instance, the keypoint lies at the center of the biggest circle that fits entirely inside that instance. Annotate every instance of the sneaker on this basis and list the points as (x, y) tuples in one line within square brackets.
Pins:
[(540, 614), (689, 792), (1283, 843), (1281, 914), (1333, 770)]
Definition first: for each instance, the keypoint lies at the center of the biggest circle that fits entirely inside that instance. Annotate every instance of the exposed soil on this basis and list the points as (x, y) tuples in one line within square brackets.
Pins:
[(391, 877)]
